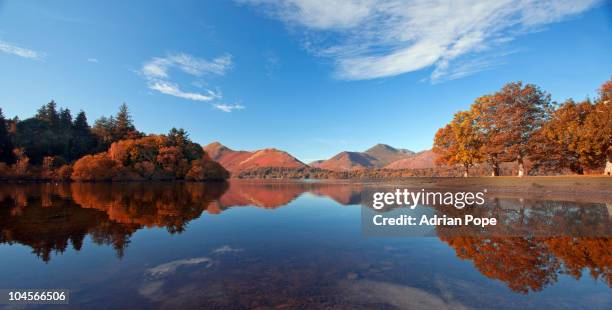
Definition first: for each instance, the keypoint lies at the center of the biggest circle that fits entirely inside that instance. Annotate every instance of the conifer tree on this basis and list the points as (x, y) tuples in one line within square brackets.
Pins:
[(6, 145)]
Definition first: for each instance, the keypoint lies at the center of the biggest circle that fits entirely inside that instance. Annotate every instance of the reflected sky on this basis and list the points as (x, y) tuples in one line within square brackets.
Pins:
[(277, 244)]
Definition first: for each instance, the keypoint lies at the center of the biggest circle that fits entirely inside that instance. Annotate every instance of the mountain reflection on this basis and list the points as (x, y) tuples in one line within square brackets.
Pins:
[(49, 218)]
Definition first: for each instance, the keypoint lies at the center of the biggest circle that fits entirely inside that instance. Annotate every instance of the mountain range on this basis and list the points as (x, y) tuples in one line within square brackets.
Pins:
[(378, 156), (244, 160)]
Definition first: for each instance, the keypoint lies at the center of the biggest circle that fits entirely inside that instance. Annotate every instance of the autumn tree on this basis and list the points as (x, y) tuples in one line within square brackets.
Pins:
[(595, 147), (459, 142), (557, 145), (99, 167), (516, 112), (491, 149)]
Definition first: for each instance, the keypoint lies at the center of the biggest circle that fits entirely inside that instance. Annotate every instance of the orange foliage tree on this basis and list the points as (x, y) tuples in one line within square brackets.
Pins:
[(459, 142), (154, 157), (99, 167), (577, 136), (515, 113), (557, 144), (595, 146)]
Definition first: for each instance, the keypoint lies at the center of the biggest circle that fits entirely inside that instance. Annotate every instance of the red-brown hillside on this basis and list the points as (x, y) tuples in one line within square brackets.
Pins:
[(421, 160), (243, 160), (377, 156), (386, 154), (347, 161)]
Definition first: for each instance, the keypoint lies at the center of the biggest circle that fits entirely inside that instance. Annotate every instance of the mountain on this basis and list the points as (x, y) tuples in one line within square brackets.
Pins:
[(420, 160), (347, 161), (244, 160), (377, 156), (316, 163), (385, 154)]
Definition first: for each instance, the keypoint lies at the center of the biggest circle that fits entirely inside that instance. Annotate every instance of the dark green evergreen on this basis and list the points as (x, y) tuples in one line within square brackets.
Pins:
[(6, 145)]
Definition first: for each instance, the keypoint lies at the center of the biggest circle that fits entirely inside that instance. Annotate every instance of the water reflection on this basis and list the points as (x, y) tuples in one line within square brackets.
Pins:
[(51, 218), (530, 264)]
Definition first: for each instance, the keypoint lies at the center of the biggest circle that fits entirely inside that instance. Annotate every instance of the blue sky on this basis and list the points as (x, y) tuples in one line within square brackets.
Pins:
[(309, 77)]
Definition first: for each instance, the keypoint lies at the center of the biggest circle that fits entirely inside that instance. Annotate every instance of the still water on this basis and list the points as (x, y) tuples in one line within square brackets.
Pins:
[(281, 245)]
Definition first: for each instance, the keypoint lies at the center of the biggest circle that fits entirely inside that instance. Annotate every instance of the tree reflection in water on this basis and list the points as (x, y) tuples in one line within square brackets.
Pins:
[(50, 217), (530, 264), (536, 241)]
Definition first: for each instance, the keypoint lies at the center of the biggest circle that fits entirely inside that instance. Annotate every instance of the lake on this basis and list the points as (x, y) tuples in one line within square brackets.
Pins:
[(292, 245)]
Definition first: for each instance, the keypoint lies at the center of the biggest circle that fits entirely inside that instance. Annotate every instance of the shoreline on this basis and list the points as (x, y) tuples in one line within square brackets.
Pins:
[(531, 186)]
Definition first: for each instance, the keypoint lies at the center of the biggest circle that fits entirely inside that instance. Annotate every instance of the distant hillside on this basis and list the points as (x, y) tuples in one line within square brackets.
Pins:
[(347, 161), (243, 160), (420, 160), (386, 154), (316, 163), (377, 156)]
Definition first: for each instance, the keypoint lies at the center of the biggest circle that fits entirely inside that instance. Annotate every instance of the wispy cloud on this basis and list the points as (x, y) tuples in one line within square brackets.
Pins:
[(157, 73), (173, 89), (371, 39), (158, 67), (228, 107), (13, 49), (94, 60)]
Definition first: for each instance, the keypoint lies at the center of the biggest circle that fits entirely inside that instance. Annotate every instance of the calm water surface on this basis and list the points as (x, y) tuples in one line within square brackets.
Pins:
[(279, 245)]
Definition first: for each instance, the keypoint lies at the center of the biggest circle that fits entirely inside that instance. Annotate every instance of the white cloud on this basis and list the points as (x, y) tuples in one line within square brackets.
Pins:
[(380, 38), (323, 14), (173, 89), (158, 67), (157, 73), (13, 49), (94, 60), (228, 107)]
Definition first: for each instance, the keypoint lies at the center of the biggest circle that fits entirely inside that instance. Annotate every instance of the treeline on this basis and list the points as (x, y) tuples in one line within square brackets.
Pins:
[(54, 146), (520, 124), (365, 174)]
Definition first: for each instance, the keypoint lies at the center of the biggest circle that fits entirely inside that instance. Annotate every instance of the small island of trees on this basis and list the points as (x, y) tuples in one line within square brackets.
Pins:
[(54, 146)]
